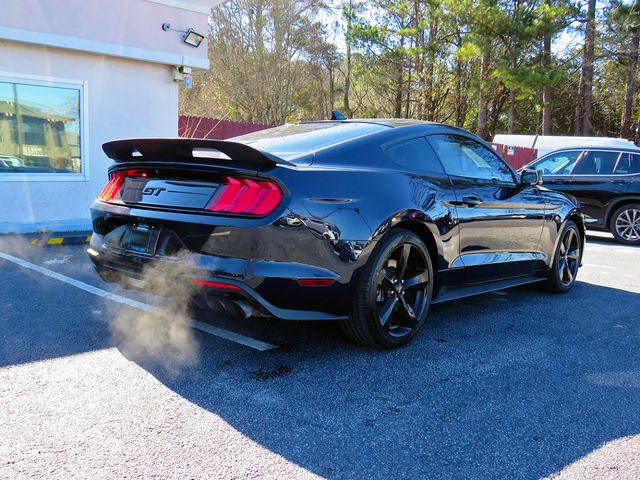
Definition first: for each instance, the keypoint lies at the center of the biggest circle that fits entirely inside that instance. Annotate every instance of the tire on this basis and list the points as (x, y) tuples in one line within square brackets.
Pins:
[(625, 224), (566, 260), (393, 292)]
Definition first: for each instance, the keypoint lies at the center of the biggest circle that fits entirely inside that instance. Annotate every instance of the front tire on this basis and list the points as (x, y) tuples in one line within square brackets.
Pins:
[(394, 292), (625, 224), (566, 260)]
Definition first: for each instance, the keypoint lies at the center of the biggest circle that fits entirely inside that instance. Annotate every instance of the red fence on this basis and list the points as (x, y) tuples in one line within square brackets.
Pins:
[(202, 127), (517, 156)]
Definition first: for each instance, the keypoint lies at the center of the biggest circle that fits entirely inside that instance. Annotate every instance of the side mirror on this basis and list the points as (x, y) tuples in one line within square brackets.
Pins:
[(530, 177)]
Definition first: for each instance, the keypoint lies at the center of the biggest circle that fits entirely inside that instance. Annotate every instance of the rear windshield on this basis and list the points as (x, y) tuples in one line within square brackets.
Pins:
[(296, 140)]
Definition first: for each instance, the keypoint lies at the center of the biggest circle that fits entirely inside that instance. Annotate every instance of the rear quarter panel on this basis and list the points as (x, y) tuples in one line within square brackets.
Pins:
[(559, 208), (353, 195)]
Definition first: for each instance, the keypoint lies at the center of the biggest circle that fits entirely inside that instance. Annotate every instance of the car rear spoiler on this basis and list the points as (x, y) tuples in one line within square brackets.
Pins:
[(191, 150)]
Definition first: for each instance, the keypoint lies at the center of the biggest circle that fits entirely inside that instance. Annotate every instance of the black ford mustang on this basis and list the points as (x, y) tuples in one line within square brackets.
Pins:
[(367, 222)]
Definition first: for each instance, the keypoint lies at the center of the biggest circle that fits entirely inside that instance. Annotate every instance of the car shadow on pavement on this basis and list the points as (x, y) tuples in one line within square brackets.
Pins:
[(515, 384), (44, 320), (600, 238)]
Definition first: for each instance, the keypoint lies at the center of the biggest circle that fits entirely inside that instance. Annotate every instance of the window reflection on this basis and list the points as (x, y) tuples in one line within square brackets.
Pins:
[(39, 129), (560, 163), (464, 157)]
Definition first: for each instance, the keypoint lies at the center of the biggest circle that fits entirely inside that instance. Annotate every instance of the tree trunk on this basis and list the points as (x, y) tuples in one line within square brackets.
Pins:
[(261, 110), (458, 95), (399, 87), (587, 69), (458, 90), (577, 128), (332, 90), (496, 110), (538, 116), (483, 98), (512, 111), (399, 81), (546, 89), (347, 78), (419, 64), (407, 100), (432, 46), (511, 116), (625, 127)]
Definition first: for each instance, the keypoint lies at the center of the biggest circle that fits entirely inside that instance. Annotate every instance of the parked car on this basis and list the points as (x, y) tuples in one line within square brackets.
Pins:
[(365, 222), (9, 161), (606, 181)]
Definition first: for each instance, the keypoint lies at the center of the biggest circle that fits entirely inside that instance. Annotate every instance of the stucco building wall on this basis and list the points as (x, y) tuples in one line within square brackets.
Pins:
[(116, 52)]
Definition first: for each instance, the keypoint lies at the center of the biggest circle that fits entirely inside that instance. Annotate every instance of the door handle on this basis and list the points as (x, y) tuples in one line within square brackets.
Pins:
[(471, 201), (559, 181), (619, 182)]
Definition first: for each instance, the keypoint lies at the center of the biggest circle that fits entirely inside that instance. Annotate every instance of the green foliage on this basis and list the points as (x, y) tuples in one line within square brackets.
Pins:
[(281, 60)]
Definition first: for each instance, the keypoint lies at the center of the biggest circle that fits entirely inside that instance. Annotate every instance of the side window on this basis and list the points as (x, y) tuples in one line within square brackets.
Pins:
[(596, 163), (414, 155), (622, 167), (559, 163), (41, 128), (465, 157), (635, 163)]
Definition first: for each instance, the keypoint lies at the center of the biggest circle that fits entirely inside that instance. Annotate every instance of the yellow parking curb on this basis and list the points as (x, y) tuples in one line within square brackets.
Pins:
[(73, 238)]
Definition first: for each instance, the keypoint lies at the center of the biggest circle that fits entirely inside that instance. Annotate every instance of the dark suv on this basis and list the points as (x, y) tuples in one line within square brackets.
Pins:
[(606, 181)]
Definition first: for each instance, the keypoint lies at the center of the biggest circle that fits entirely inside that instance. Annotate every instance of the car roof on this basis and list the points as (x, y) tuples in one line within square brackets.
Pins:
[(296, 140), (592, 147), (388, 122)]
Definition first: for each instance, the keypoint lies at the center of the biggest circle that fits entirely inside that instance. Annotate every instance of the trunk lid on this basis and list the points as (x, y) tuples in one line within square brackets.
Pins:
[(168, 193), (210, 176)]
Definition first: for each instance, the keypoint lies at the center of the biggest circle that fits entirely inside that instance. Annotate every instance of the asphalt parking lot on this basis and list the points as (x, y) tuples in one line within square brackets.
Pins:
[(514, 384)]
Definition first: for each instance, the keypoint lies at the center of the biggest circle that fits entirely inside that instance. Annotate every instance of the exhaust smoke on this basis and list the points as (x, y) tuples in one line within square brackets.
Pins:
[(161, 336)]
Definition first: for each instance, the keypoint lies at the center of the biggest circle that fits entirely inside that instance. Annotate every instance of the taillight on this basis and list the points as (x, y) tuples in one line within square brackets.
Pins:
[(246, 196), (116, 180), (224, 286)]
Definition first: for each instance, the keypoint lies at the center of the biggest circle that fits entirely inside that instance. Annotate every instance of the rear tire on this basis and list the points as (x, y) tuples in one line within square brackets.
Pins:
[(393, 293), (566, 260), (625, 224)]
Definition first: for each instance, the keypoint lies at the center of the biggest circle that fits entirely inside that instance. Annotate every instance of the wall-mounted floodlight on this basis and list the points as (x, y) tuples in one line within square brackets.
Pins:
[(190, 37), (193, 38)]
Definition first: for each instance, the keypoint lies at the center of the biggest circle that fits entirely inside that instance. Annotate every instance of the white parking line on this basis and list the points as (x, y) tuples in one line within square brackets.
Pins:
[(218, 332), (598, 266), (627, 251)]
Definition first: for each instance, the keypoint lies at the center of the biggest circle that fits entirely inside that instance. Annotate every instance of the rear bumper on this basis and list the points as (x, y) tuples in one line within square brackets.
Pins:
[(270, 287)]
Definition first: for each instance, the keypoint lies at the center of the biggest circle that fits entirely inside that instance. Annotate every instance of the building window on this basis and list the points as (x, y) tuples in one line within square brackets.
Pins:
[(40, 128)]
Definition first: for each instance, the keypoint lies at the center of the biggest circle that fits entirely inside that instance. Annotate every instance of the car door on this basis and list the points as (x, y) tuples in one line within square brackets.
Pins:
[(634, 174), (597, 179), (500, 221), (429, 187)]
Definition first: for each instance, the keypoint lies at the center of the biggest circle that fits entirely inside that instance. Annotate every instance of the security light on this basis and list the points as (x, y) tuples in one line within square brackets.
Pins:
[(193, 38)]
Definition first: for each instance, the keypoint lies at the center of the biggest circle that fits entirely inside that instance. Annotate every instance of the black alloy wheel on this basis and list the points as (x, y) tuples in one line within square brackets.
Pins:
[(394, 292), (625, 224), (569, 257), (567, 260), (401, 295)]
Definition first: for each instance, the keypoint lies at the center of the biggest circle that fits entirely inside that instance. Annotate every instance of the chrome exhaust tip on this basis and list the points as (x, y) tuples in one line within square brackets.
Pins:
[(237, 308)]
